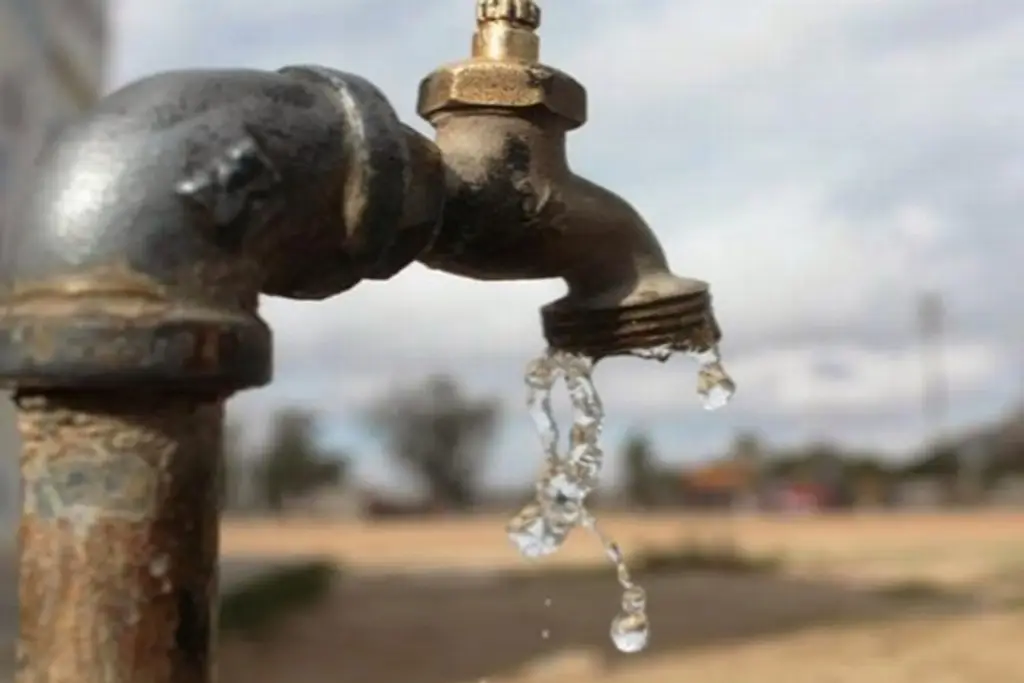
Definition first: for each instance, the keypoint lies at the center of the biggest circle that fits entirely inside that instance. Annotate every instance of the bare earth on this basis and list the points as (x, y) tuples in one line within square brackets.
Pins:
[(824, 621)]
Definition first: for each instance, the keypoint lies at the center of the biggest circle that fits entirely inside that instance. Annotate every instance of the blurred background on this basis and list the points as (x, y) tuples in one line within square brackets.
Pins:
[(848, 175)]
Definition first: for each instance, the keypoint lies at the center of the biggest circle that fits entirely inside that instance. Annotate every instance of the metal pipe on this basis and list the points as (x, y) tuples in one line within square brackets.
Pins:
[(129, 284), (130, 280), (118, 537), (516, 210)]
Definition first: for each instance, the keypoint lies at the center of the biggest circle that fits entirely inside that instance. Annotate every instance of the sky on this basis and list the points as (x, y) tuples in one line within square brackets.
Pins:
[(821, 164)]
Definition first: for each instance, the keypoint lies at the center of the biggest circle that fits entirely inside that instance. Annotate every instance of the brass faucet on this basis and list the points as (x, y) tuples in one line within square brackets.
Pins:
[(129, 281), (515, 210)]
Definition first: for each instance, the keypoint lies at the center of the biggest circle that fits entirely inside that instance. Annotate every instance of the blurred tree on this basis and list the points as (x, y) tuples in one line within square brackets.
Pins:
[(292, 463), (439, 435), (642, 473), (869, 482), (939, 460), (826, 464)]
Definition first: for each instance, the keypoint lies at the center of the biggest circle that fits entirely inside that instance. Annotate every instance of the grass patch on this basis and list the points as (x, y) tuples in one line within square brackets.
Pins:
[(693, 556), (688, 557), (252, 607), (915, 590), (1015, 603)]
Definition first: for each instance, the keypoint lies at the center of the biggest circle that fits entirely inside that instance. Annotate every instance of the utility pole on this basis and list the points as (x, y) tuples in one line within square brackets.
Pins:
[(931, 322), (935, 392)]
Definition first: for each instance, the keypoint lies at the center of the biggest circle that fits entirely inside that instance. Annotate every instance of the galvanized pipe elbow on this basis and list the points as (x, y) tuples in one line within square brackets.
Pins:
[(137, 255)]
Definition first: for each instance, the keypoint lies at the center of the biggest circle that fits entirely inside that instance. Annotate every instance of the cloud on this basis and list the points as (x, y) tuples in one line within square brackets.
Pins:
[(821, 164)]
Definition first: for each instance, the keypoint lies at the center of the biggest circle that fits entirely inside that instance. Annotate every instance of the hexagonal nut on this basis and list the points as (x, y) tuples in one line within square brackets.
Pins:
[(498, 85)]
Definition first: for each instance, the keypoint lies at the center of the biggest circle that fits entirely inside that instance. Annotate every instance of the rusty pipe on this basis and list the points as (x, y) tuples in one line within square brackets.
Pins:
[(515, 209), (153, 223), (129, 281), (118, 537)]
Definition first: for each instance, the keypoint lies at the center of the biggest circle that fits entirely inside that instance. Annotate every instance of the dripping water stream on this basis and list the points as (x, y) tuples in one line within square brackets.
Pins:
[(559, 502)]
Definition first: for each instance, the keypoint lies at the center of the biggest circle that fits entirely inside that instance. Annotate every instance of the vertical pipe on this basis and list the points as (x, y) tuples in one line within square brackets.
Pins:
[(118, 537)]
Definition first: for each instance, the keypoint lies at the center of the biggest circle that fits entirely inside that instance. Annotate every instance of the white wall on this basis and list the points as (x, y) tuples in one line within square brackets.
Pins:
[(52, 61)]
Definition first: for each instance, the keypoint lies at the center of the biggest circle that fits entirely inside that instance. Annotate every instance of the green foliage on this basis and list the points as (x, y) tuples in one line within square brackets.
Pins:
[(293, 463), (642, 478), (939, 461), (256, 605), (440, 436), (915, 590), (811, 462), (721, 557), (688, 557)]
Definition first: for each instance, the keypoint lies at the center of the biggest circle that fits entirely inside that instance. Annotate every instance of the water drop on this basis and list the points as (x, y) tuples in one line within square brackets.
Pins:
[(541, 375), (534, 533), (634, 600), (717, 393), (545, 634), (568, 477), (659, 353), (630, 632), (558, 506), (714, 386)]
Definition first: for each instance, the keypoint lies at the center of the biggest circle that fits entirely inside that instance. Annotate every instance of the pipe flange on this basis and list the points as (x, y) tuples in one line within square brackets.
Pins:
[(169, 347)]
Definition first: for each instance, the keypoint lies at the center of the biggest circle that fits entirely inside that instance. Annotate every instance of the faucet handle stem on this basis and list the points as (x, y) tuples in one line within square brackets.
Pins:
[(523, 13)]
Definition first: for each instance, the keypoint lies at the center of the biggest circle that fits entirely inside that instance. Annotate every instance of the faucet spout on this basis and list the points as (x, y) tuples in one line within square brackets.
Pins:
[(515, 209)]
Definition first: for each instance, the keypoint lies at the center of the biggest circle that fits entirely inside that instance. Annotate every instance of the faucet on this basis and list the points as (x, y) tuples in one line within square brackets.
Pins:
[(130, 273), (515, 210)]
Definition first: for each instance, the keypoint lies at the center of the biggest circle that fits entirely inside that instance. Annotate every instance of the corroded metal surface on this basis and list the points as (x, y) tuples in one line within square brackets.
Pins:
[(132, 271), (118, 538), (515, 210), (137, 255), (129, 278)]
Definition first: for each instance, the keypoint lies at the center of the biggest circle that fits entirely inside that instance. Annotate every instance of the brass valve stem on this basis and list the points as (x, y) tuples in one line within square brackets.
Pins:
[(506, 30)]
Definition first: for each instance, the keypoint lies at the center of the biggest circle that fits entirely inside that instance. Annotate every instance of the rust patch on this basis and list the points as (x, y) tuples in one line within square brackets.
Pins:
[(91, 483), (119, 522)]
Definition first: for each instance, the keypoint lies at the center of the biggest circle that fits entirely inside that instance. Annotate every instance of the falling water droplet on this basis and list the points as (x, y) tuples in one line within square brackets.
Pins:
[(560, 494), (630, 632), (714, 386), (541, 375), (534, 533), (631, 628), (542, 526), (559, 503), (659, 353), (634, 600)]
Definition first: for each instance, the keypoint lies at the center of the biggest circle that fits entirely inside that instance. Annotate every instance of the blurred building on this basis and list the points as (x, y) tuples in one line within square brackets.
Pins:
[(342, 502), (52, 66), (726, 483)]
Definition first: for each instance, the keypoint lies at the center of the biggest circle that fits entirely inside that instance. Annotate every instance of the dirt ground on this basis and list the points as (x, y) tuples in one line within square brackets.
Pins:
[(824, 620)]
